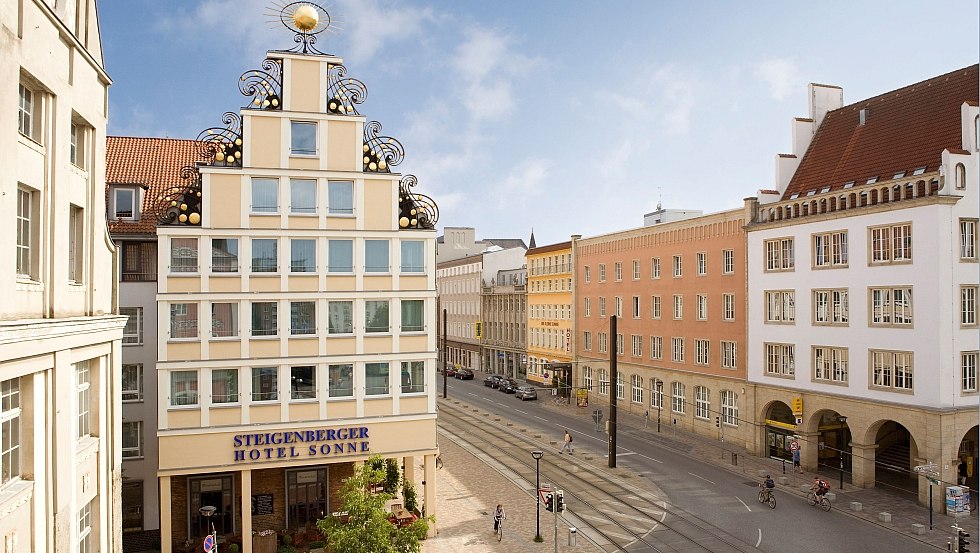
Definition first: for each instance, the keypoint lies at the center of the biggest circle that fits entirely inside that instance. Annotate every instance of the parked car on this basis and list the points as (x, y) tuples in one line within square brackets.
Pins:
[(450, 371), (525, 393), (508, 385), (464, 374), (493, 380)]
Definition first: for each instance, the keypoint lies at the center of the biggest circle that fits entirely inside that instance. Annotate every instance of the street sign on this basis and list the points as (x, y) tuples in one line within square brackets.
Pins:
[(209, 543), (797, 406)]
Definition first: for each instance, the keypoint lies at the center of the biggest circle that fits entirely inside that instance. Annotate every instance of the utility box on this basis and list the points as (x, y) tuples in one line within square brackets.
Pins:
[(572, 536)]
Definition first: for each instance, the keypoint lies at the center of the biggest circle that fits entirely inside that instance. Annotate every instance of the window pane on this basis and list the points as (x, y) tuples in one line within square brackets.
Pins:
[(132, 437), (412, 318), (413, 377), (264, 318), (303, 256), (413, 256), (265, 195), (303, 138), (124, 202), (265, 255), (183, 255), (340, 315), (376, 316), (183, 320), (302, 382), (265, 384), (224, 386), (340, 196), (375, 379), (302, 317), (376, 256), (341, 379), (224, 320), (341, 256), (132, 382), (224, 255), (302, 195), (133, 331), (183, 388)]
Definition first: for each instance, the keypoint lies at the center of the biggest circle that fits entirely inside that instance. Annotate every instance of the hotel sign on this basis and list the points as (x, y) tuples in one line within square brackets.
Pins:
[(326, 442)]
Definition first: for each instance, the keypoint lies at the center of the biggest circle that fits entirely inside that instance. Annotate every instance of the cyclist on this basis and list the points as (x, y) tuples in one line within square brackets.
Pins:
[(819, 486), (498, 516), (766, 486)]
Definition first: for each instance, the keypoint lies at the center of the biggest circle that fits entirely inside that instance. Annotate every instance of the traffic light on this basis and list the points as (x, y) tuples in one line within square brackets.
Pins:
[(961, 541), (549, 504), (560, 503), (717, 422)]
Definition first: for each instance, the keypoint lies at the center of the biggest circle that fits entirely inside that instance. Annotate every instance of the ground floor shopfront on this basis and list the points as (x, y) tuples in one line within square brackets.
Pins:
[(277, 479)]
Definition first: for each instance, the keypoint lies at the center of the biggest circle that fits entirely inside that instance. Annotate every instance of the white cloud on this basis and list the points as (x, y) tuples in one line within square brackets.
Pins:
[(370, 26), (486, 67), (782, 76), (524, 181)]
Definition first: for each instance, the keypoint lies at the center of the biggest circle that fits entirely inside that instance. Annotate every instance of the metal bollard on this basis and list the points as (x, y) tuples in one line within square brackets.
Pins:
[(734, 458), (572, 536)]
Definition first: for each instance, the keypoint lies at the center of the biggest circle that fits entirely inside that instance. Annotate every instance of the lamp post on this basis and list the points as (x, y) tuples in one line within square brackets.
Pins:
[(537, 454), (207, 512), (660, 401), (842, 420)]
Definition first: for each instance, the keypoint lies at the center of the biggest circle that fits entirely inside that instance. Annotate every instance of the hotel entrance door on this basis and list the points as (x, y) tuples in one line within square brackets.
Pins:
[(214, 491)]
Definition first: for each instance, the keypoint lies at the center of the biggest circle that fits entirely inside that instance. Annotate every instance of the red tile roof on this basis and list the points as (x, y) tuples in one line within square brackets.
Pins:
[(152, 163), (905, 129)]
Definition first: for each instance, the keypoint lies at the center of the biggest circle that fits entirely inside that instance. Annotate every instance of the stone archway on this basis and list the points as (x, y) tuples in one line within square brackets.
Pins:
[(894, 452), (780, 428), (833, 440), (969, 454)]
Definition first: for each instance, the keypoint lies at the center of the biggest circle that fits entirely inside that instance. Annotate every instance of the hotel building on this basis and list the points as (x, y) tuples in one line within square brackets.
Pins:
[(296, 301), (549, 311), (60, 462), (863, 282), (677, 290)]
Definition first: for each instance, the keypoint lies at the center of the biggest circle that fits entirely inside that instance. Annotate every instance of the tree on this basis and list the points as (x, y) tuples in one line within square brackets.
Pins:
[(366, 528)]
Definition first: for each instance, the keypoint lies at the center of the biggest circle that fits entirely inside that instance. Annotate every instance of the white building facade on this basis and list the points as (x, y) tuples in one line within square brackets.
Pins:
[(862, 294), (60, 464)]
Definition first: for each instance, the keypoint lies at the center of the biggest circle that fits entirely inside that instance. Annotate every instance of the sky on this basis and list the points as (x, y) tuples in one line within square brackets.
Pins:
[(563, 117)]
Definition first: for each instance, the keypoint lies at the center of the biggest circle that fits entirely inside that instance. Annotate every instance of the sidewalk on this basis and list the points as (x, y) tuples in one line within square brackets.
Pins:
[(903, 512), (468, 491)]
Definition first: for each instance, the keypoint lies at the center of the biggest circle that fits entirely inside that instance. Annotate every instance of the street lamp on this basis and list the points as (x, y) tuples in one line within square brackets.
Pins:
[(660, 401), (842, 420), (537, 454)]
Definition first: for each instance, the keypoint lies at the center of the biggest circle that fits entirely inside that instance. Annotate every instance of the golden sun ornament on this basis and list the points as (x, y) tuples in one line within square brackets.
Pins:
[(306, 19)]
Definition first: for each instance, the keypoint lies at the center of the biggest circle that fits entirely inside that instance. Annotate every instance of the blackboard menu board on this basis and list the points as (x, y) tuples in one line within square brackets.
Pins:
[(262, 504)]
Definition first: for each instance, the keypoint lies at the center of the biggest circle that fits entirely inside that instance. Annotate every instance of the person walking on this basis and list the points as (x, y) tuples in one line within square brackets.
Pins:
[(567, 445), (794, 447)]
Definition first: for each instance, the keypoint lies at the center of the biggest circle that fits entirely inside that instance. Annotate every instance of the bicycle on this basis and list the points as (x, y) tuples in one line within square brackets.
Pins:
[(822, 500), (766, 496), (500, 529), (560, 400)]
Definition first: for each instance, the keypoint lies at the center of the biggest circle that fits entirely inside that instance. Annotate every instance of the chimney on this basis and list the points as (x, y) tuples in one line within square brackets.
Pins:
[(862, 116)]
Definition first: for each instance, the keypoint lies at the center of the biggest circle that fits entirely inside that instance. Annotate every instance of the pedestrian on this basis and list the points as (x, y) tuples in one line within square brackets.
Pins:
[(962, 472), (795, 448), (567, 445)]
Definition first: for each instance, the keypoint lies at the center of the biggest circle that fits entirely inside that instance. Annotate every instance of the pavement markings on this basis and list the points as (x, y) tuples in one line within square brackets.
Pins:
[(540, 418), (743, 503), (760, 539), (702, 478)]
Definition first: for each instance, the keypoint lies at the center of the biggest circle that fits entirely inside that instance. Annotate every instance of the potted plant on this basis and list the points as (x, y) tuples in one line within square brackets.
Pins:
[(392, 476), (410, 497)]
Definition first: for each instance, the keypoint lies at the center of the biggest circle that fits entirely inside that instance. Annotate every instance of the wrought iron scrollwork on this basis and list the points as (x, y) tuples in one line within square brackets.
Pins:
[(181, 205), (343, 93), (222, 146), (263, 85), (415, 210), (380, 152)]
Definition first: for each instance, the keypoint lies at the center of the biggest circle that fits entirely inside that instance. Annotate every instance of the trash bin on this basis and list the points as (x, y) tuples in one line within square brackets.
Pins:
[(572, 535)]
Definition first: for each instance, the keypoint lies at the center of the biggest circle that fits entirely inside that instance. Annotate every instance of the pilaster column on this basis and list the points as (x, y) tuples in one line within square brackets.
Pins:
[(166, 518), (809, 450), (863, 464), (246, 510), (409, 462), (429, 482)]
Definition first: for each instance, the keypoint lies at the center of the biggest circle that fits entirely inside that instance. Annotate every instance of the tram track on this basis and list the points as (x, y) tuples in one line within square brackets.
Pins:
[(619, 515)]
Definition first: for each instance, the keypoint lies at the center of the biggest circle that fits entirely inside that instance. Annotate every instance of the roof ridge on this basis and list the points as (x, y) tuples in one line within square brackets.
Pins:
[(909, 87)]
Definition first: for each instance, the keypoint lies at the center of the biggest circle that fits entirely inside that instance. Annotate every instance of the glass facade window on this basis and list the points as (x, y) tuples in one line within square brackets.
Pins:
[(302, 382), (340, 195), (413, 256), (183, 388), (340, 317), (413, 377), (133, 331), (302, 138), (224, 255), (10, 411), (376, 317), (224, 320), (183, 320), (302, 318), (413, 315), (340, 256), (132, 382), (132, 439), (265, 195), (376, 256), (265, 255), (265, 384), (265, 318), (302, 255), (302, 196), (375, 379), (341, 380), (224, 386), (183, 255)]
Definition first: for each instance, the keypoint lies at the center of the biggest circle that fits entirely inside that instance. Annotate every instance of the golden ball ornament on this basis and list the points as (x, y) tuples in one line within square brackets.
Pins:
[(373, 166), (366, 149), (182, 218), (403, 222), (306, 18), (194, 218), (382, 165), (415, 222)]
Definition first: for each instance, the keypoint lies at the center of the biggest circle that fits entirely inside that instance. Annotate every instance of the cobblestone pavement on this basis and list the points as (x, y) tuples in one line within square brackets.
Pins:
[(468, 491)]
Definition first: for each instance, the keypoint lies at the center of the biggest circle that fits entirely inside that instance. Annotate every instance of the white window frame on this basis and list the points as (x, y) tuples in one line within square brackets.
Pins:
[(702, 403), (316, 139), (830, 364), (636, 389), (587, 377), (678, 398), (677, 349), (889, 244), (887, 373), (968, 371), (702, 350), (678, 307), (603, 382), (884, 310), (728, 307), (132, 395), (779, 254), (702, 262), (136, 317), (602, 272), (10, 412), (780, 306), (130, 451), (657, 347), (656, 393), (637, 342), (702, 307), (968, 305), (636, 307), (830, 307), (729, 354), (780, 359), (678, 265), (83, 398), (968, 240), (618, 269), (636, 269), (655, 268), (829, 249), (729, 408), (728, 262)]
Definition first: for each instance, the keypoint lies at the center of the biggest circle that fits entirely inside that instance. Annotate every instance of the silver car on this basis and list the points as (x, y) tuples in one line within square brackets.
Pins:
[(526, 392)]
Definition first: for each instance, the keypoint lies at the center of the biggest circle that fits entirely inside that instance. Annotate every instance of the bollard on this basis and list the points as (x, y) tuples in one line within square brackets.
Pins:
[(734, 459), (572, 536), (784, 466)]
